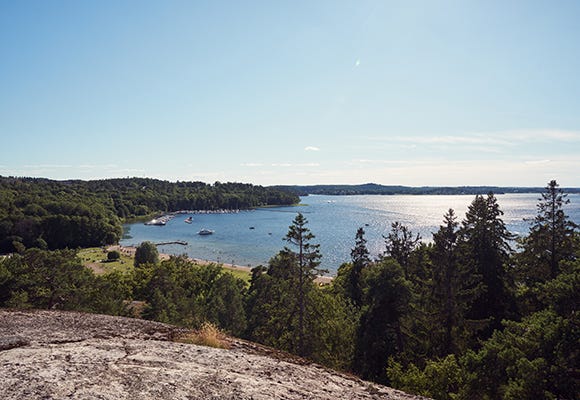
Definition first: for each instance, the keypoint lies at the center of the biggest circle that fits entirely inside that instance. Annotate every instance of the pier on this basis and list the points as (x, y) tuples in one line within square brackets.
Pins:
[(181, 242)]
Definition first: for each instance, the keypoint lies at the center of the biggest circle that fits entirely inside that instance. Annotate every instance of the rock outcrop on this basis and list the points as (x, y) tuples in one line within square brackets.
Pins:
[(57, 355)]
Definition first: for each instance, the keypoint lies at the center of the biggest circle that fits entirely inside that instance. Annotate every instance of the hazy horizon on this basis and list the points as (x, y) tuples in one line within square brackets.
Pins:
[(292, 93)]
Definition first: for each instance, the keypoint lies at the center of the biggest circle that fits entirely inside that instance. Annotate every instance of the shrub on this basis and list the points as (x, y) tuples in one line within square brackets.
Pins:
[(208, 335)]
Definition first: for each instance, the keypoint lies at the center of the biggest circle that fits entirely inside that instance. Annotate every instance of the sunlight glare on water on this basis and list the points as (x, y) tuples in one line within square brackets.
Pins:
[(252, 237)]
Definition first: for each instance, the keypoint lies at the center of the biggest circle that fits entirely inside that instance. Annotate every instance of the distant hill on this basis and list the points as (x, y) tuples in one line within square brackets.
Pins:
[(373, 188)]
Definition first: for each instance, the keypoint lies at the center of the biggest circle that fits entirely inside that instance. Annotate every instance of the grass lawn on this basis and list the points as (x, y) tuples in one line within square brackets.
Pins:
[(243, 275), (96, 259)]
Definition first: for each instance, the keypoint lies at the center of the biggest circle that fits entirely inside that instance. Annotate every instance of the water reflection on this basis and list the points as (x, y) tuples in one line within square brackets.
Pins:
[(334, 221)]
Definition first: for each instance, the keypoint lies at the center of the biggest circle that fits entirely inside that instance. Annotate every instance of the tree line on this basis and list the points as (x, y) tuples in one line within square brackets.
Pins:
[(470, 315), (373, 188), (50, 214)]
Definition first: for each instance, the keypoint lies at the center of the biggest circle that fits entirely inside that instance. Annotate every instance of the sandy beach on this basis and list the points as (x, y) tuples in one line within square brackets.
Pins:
[(130, 251)]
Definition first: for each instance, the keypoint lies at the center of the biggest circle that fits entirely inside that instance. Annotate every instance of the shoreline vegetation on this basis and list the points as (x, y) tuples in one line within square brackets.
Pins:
[(129, 251), (48, 214)]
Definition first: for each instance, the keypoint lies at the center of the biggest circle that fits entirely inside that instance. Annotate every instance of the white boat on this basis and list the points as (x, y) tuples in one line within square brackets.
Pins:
[(205, 232), (189, 220), (158, 222)]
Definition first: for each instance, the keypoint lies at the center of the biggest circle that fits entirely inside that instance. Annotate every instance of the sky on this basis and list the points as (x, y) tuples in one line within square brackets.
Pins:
[(416, 93)]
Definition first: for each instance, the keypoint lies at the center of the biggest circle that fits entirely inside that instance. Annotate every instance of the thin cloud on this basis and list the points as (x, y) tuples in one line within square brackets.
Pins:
[(290, 165), (495, 138), (541, 135), (47, 166), (537, 162), (252, 165), (311, 148), (382, 162), (453, 140)]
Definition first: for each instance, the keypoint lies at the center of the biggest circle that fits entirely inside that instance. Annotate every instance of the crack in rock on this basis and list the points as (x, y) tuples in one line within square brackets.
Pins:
[(12, 342)]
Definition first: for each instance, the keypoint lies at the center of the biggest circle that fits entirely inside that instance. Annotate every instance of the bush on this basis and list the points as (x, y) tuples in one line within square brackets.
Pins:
[(113, 255), (208, 335)]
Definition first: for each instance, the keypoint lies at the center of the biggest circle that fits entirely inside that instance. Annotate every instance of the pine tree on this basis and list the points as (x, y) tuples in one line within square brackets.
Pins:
[(307, 259)]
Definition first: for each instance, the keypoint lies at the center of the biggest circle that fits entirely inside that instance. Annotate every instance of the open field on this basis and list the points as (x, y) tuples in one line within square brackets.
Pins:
[(95, 258)]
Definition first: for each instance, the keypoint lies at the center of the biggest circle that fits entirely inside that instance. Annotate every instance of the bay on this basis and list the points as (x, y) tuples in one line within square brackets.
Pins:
[(252, 237)]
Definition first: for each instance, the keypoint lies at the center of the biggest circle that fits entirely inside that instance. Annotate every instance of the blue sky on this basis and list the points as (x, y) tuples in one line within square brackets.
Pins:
[(292, 92)]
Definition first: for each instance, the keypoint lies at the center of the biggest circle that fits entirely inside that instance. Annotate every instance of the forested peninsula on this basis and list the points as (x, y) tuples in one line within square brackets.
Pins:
[(49, 214)]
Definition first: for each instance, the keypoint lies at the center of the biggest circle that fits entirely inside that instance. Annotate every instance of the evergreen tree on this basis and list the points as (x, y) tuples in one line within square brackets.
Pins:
[(307, 258), (551, 238), (360, 260), (453, 289), (380, 334), (400, 243), (272, 304), (485, 249)]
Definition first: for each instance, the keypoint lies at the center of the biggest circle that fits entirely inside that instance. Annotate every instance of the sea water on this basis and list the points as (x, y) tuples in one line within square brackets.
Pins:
[(252, 237)]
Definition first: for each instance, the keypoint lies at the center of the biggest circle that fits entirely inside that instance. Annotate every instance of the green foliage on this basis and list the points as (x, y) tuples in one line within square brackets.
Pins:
[(360, 260), (441, 379), (485, 248), (380, 334), (532, 359), (279, 315), (400, 243), (146, 253), (110, 294), (453, 287), (329, 320), (551, 238), (302, 265), (179, 292), (536, 358), (333, 327), (113, 255), (548, 250), (562, 294), (70, 214), (57, 279), (287, 310)]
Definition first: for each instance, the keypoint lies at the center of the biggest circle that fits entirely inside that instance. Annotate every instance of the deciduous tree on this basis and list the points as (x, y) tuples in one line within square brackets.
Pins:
[(146, 253)]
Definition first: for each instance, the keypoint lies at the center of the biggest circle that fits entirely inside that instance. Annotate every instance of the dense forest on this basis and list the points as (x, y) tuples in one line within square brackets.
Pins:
[(373, 188), (473, 314), (50, 214)]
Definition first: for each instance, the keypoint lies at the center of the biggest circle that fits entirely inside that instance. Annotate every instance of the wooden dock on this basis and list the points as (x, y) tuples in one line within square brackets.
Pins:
[(181, 242)]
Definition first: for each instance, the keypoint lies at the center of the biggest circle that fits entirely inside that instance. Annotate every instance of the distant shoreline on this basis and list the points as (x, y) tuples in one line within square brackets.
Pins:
[(376, 189)]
